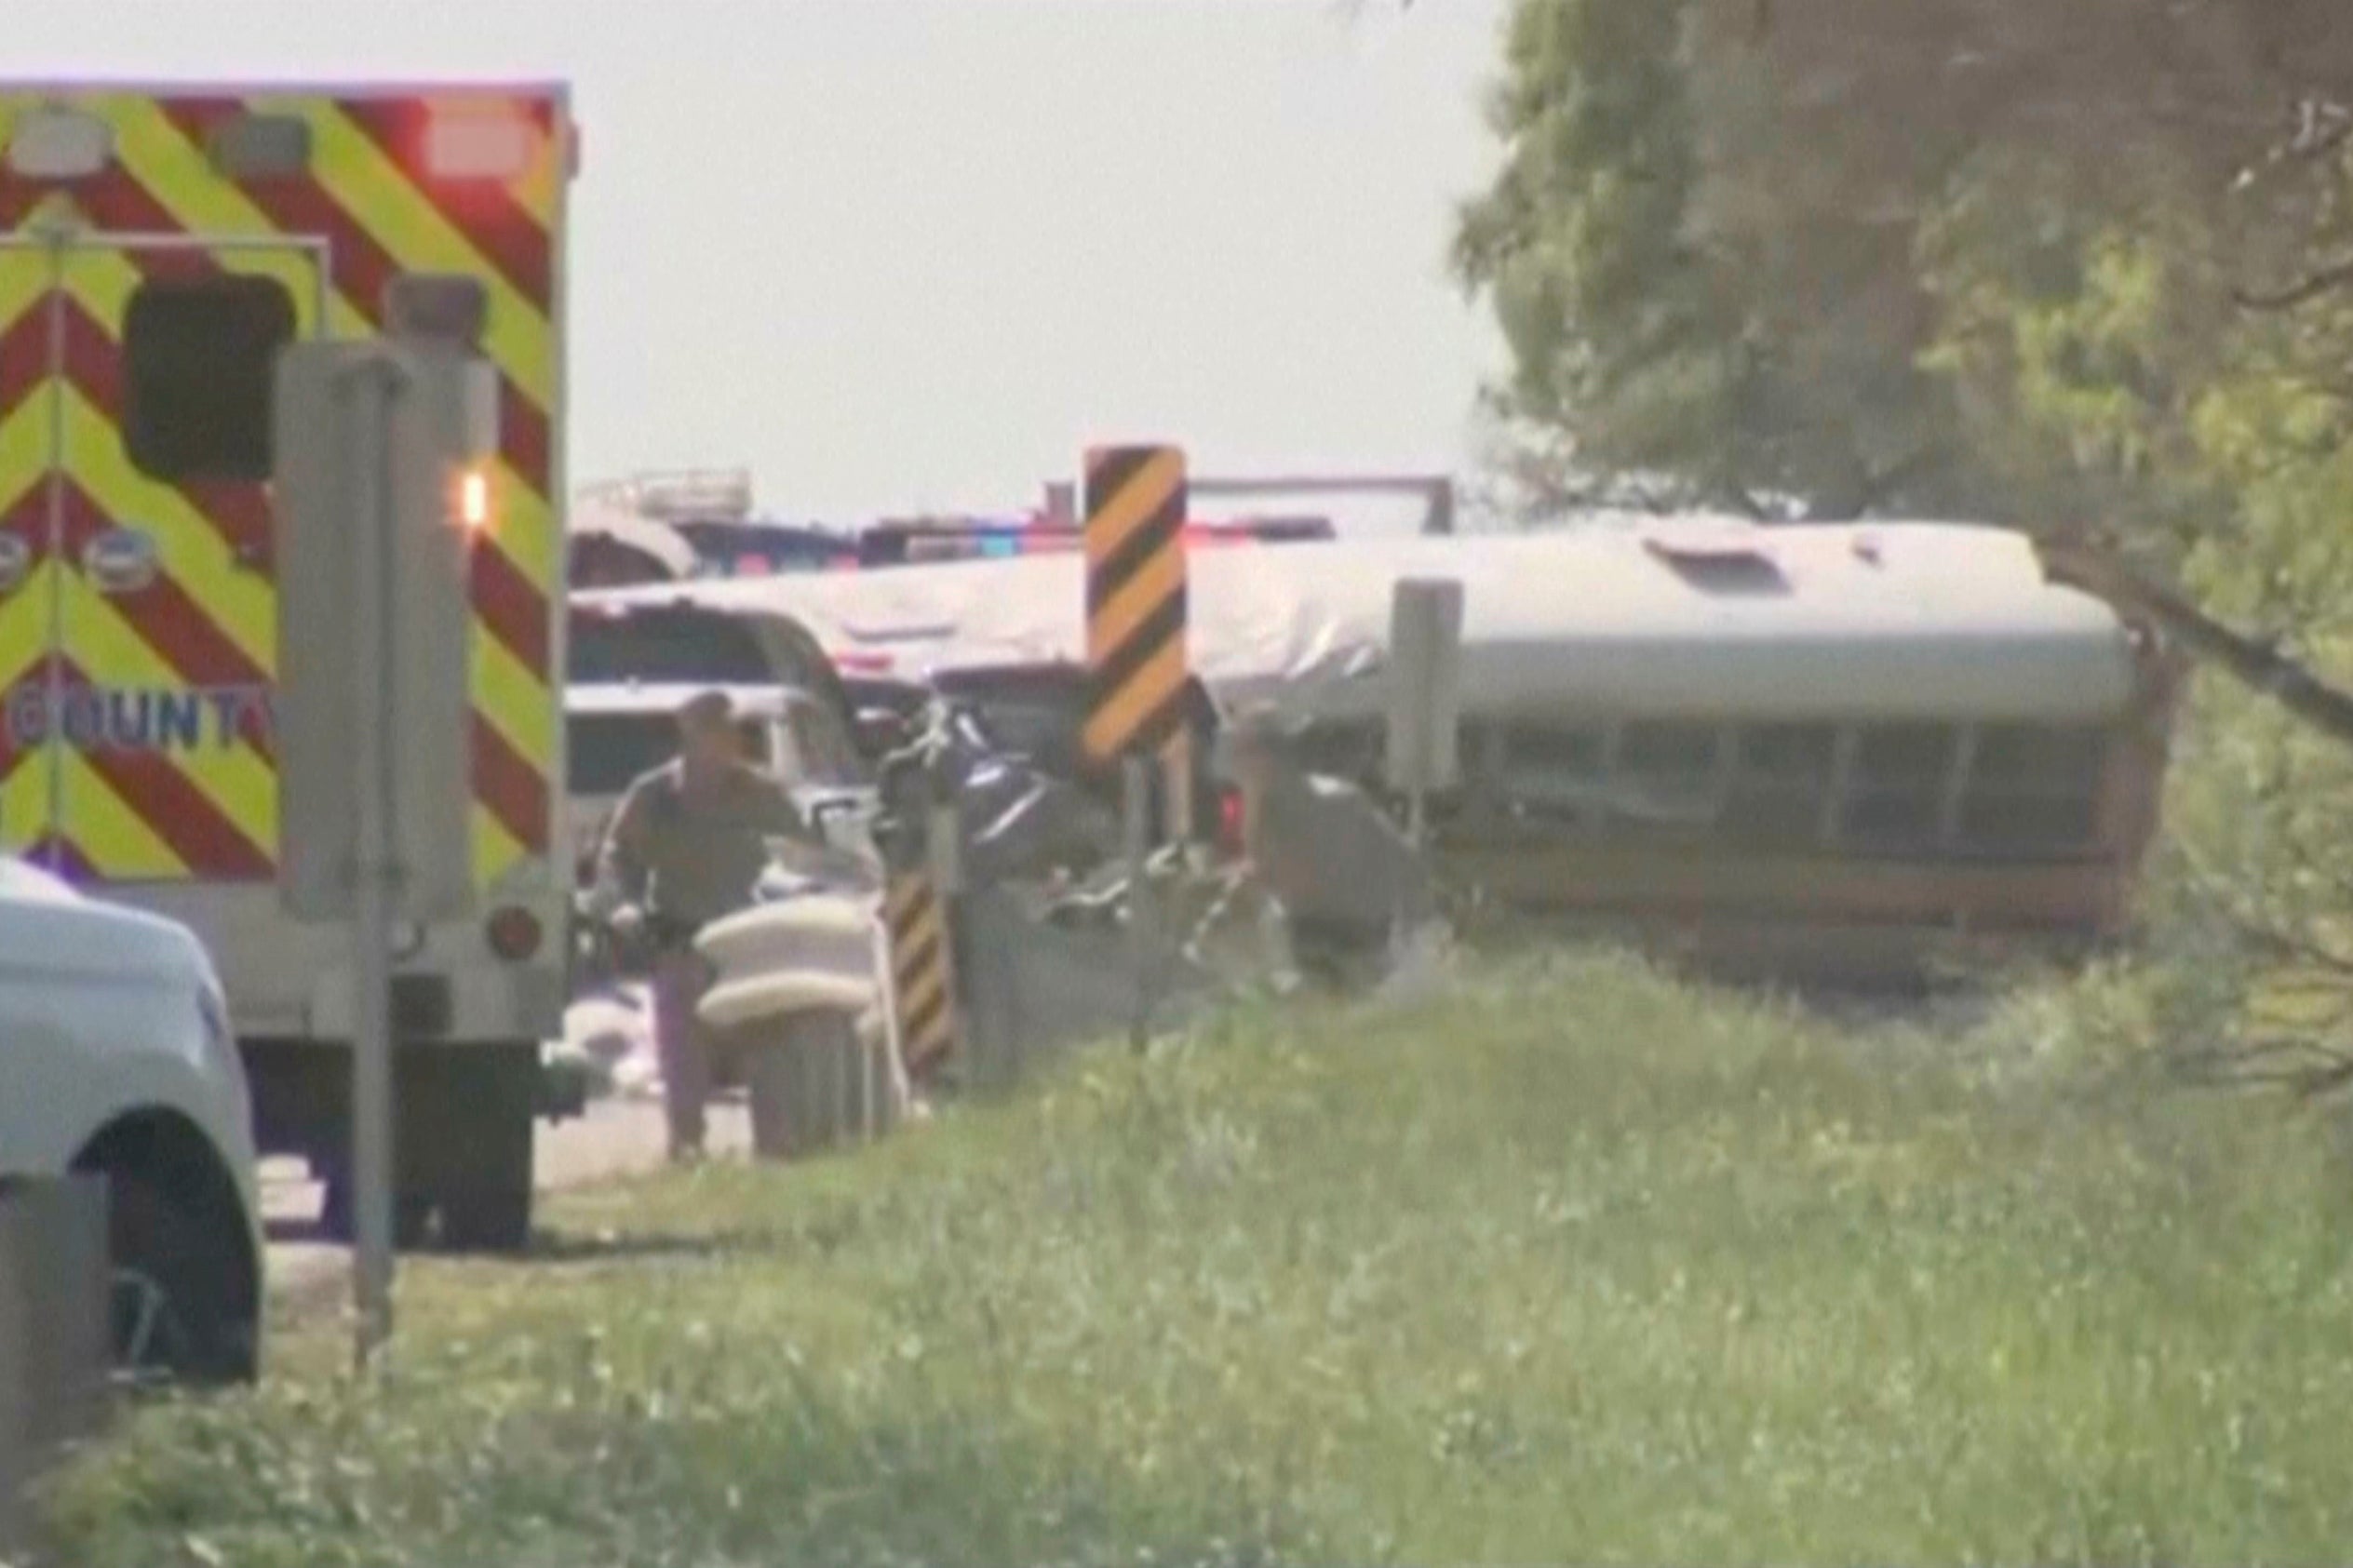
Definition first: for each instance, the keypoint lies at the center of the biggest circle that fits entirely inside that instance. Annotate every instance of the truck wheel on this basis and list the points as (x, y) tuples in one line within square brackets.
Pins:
[(485, 1143), (177, 1311), (492, 1211)]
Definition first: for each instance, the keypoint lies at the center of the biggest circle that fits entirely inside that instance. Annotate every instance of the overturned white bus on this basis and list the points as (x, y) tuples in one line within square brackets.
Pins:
[(1809, 751)]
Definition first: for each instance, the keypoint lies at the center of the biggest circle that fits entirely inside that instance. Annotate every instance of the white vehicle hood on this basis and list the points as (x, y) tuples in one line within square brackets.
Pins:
[(29, 884), (78, 935)]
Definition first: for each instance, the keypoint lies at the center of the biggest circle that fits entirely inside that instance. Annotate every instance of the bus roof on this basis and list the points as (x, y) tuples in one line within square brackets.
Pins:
[(1691, 616)]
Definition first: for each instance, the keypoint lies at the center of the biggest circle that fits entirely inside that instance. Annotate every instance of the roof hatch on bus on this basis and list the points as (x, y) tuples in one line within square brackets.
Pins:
[(1731, 563)]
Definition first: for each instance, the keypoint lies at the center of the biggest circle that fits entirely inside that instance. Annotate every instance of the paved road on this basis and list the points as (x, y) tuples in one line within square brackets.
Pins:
[(617, 1137)]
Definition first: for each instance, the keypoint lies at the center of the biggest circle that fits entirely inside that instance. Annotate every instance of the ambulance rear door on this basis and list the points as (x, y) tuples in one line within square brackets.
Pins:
[(148, 527)]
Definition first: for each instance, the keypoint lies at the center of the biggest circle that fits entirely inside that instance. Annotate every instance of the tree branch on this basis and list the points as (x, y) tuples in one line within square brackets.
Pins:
[(2257, 932), (1879, 486), (2254, 664), (2322, 128), (1745, 499), (2283, 945), (1876, 485), (2303, 292)]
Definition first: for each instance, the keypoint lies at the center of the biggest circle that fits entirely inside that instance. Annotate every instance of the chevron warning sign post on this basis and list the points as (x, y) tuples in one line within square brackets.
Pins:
[(1135, 607), (1137, 673), (923, 974)]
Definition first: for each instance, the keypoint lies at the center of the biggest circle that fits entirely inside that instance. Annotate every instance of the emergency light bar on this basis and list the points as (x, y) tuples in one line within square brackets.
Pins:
[(910, 544)]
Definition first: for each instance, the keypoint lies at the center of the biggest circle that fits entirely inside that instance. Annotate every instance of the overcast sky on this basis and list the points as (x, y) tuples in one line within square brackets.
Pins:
[(896, 254)]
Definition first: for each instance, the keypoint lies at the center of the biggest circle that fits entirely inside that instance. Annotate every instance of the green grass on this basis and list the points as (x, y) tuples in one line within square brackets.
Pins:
[(1574, 1264)]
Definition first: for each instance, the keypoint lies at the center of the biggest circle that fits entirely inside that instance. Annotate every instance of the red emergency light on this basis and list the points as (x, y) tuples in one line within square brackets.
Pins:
[(934, 541)]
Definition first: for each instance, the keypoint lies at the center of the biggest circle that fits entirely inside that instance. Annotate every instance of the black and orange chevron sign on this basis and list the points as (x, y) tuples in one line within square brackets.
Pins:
[(923, 974), (1135, 601)]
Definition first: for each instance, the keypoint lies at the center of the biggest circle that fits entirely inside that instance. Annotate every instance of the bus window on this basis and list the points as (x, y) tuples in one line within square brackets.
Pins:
[(1555, 767), (1895, 797), (657, 644), (2033, 789), (1350, 749), (1780, 778), (1671, 771), (1479, 753)]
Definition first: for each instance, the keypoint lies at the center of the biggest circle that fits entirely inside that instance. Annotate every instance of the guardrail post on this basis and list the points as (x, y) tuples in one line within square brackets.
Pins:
[(923, 974), (54, 1324)]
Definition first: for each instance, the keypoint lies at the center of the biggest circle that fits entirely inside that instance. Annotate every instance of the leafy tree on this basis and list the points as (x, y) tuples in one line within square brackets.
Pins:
[(2035, 261), (1774, 246)]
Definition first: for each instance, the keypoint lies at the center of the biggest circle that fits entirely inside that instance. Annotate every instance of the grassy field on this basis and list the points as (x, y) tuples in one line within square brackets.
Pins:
[(1571, 1264)]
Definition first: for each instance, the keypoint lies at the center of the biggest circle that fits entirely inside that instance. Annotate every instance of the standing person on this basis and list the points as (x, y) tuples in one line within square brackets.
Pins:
[(1347, 882), (687, 846)]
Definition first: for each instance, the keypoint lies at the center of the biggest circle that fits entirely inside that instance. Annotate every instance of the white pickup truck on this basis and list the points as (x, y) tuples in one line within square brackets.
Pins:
[(117, 1057)]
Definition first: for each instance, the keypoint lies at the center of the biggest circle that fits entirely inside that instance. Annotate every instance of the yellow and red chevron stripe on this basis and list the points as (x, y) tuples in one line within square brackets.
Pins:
[(25, 598), (367, 203)]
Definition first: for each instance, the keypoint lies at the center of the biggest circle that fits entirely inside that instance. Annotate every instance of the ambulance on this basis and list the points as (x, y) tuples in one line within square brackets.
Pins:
[(160, 245)]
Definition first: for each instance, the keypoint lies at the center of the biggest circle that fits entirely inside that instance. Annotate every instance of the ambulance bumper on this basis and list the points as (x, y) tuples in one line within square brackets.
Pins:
[(292, 982)]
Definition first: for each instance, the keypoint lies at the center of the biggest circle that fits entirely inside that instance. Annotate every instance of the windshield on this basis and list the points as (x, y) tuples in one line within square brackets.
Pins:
[(611, 751), (607, 752), (665, 644)]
